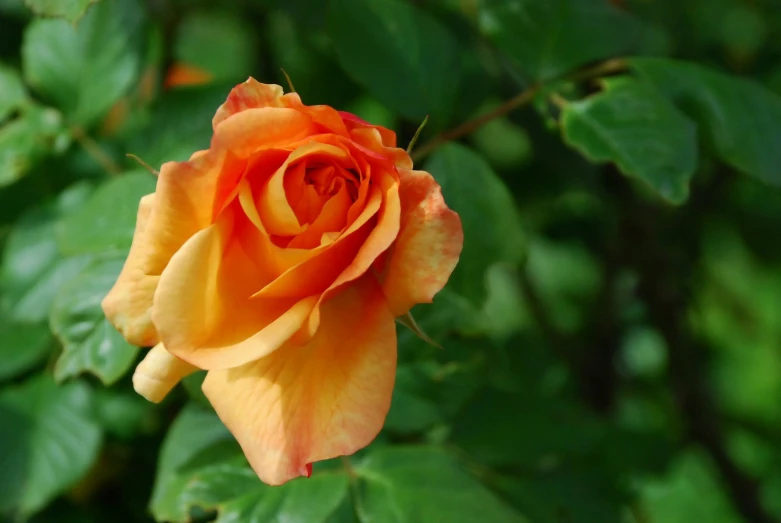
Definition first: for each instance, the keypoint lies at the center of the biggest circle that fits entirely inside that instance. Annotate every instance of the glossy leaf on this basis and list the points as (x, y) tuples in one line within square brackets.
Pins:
[(25, 140), (105, 224), (89, 342), (492, 225), (546, 38), (12, 92), (32, 269), (49, 441), (405, 58), (632, 125), (422, 484), (86, 68), (193, 431), (739, 118), (70, 10), (22, 347)]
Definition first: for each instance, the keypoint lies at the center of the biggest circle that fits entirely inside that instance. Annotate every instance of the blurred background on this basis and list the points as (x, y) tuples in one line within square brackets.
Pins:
[(611, 338)]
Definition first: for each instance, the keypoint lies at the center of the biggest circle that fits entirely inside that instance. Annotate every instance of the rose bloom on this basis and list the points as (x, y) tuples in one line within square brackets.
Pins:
[(277, 260)]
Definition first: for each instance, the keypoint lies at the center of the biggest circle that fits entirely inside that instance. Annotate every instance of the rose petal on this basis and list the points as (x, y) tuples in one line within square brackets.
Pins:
[(202, 308), (128, 305), (387, 137), (329, 398), (325, 117), (273, 207), (250, 94), (252, 130), (158, 373), (428, 245), (317, 273), (184, 201)]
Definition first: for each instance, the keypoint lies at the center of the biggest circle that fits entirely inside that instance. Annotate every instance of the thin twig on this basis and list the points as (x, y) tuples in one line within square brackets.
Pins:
[(143, 164), (95, 151), (289, 81), (611, 66), (474, 124), (417, 135)]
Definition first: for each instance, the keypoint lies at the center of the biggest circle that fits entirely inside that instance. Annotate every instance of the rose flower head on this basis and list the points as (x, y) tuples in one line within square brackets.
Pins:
[(277, 260)]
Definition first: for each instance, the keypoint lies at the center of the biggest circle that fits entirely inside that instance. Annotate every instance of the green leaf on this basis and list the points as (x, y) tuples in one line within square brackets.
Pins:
[(316, 500), (32, 270), (182, 124), (692, 491), (739, 118), (492, 226), (217, 42), (193, 432), (12, 92), (423, 484), (105, 224), (49, 442), (411, 410), (546, 38), (89, 342), (85, 69), (25, 140), (631, 124), (405, 58), (22, 347), (70, 10)]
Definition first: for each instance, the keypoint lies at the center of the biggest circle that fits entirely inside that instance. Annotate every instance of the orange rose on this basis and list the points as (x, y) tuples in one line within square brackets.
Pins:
[(277, 260)]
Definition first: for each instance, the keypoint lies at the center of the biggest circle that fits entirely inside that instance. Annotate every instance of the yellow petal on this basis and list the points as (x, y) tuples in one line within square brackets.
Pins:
[(428, 246), (158, 373), (329, 398), (129, 303), (202, 307)]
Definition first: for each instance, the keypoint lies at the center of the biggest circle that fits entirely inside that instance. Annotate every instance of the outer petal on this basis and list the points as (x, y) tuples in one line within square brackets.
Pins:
[(250, 94), (254, 129), (158, 373), (329, 398), (128, 305), (184, 201), (428, 246), (181, 206), (202, 307)]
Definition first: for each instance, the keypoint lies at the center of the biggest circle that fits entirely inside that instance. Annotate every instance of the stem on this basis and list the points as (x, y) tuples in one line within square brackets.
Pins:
[(472, 125), (613, 65), (95, 151)]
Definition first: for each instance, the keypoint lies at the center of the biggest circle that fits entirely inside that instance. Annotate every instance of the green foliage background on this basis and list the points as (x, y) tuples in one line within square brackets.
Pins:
[(612, 335)]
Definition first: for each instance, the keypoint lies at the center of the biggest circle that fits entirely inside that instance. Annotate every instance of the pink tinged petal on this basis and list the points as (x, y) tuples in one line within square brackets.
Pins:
[(329, 398), (428, 246), (158, 373)]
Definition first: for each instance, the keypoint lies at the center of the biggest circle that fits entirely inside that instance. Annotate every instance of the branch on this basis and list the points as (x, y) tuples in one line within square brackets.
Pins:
[(603, 68), (474, 124)]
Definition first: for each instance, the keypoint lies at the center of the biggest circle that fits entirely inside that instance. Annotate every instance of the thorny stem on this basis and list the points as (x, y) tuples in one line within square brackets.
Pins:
[(95, 151), (603, 68)]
